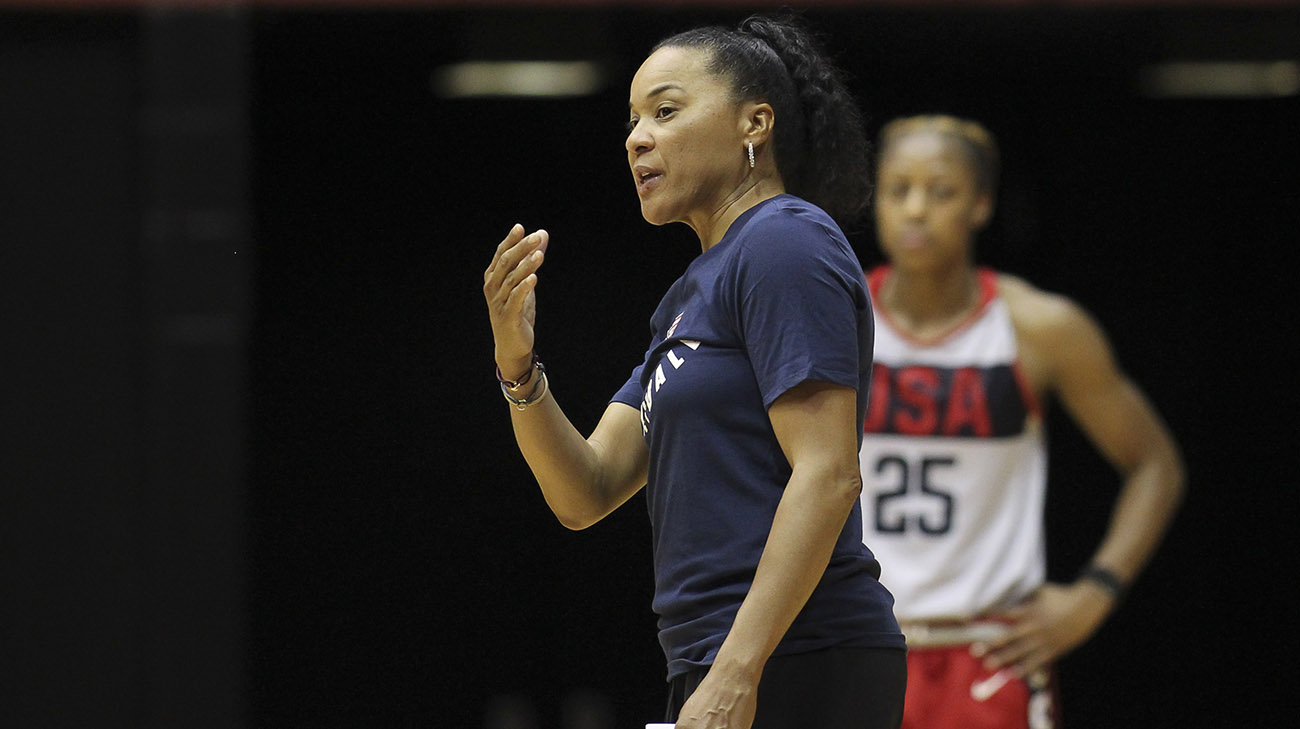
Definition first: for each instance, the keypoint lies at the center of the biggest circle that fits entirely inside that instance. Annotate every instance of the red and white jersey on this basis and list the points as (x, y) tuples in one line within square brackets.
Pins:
[(954, 465)]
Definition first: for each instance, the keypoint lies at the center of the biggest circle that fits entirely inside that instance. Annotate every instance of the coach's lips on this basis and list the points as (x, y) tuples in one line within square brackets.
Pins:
[(646, 178)]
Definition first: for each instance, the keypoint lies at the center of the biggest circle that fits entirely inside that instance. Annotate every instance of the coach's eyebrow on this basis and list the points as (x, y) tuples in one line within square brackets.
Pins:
[(659, 90)]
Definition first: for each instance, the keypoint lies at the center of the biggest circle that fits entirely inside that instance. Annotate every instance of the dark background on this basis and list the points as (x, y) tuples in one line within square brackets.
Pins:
[(255, 469)]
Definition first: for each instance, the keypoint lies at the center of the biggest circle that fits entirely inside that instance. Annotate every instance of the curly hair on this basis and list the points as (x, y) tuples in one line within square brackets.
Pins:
[(819, 144)]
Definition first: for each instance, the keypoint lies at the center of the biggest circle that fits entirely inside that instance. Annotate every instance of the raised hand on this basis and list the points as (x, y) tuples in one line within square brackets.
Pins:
[(509, 285)]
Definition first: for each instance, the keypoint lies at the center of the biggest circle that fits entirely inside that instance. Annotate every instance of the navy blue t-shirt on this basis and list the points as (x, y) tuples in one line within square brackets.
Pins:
[(781, 299)]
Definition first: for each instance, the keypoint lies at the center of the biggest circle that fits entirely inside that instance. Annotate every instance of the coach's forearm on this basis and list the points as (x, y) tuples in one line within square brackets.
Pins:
[(565, 464)]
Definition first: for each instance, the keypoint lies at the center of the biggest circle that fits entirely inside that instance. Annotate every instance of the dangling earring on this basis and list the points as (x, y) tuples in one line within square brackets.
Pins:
[(751, 155)]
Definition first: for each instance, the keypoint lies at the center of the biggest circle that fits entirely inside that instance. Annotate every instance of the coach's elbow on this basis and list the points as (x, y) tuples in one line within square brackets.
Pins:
[(574, 522), (573, 517), (576, 514), (833, 484), (848, 486)]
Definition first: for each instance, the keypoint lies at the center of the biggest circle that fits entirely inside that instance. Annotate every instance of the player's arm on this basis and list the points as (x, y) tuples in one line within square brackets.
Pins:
[(816, 424), (1121, 422), (1079, 366)]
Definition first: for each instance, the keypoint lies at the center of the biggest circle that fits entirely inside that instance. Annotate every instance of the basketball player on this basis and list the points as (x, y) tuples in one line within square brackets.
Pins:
[(954, 463)]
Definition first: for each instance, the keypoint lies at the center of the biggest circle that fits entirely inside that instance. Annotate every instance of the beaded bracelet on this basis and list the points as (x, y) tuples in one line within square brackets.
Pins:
[(1106, 579), (537, 394)]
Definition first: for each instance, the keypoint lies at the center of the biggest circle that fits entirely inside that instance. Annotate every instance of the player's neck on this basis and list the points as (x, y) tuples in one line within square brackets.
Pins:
[(930, 302)]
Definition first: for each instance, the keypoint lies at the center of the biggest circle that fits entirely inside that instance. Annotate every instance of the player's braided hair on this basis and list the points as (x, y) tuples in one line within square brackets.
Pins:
[(820, 147), (978, 143)]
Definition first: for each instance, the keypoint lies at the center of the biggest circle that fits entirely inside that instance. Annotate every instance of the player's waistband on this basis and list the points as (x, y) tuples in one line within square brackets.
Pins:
[(942, 633)]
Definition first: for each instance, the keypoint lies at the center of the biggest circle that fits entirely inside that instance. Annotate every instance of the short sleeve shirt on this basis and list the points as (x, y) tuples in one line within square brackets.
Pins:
[(780, 300)]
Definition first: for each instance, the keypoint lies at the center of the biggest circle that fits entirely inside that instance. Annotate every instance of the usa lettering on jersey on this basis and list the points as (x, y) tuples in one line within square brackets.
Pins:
[(953, 402)]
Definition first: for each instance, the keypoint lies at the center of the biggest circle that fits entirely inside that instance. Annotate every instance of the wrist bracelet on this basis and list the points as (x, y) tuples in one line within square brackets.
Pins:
[(537, 394), (515, 385), (1106, 579)]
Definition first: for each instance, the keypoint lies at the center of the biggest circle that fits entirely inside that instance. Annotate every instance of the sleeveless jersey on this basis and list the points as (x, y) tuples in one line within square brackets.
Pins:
[(954, 465)]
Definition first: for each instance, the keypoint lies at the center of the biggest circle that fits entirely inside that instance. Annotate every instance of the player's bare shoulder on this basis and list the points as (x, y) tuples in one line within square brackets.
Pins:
[(1052, 329), (1036, 312)]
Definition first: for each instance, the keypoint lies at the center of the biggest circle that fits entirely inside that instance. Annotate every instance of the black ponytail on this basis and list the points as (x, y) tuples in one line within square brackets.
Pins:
[(820, 146)]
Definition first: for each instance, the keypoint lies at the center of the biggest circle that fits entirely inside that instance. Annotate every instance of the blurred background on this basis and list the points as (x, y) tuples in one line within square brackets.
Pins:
[(255, 470)]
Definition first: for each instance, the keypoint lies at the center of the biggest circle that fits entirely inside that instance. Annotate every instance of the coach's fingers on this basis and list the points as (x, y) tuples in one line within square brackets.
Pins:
[(513, 250), (524, 271), (515, 304), (514, 236), (514, 266)]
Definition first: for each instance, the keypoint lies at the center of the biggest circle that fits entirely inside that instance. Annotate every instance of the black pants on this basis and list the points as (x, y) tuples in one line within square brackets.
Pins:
[(836, 688)]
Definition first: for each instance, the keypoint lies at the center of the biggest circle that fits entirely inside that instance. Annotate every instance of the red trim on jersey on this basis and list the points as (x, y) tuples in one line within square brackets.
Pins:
[(988, 290)]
